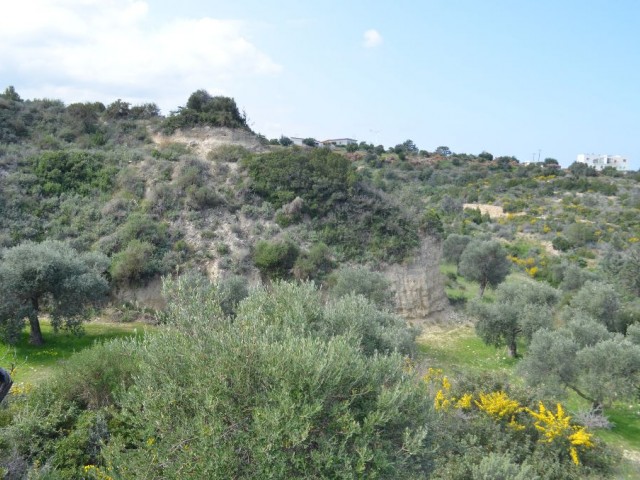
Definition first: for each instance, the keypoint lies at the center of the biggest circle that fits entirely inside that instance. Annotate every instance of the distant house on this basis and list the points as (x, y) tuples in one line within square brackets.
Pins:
[(300, 141), (601, 161), (338, 142)]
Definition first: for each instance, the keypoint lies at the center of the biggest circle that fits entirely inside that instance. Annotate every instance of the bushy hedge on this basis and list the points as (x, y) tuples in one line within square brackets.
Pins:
[(277, 392)]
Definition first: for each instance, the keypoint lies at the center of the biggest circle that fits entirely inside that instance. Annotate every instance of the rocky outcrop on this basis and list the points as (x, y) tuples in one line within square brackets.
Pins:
[(204, 139), (419, 286)]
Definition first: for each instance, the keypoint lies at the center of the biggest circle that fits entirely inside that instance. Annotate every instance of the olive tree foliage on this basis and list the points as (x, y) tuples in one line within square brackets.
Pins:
[(484, 262), (501, 466), (600, 301), (633, 333), (520, 309), (48, 277), (453, 247), (268, 395), (574, 277), (299, 308), (291, 387), (598, 365), (622, 267), (362, 281)]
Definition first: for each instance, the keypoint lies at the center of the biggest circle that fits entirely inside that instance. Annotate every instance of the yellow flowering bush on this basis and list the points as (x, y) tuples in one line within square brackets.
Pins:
[(498, 405), (557, 426), (553, 427)]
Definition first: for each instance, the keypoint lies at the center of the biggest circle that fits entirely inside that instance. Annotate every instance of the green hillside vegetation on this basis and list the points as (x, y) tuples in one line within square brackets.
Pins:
[(308, 373)]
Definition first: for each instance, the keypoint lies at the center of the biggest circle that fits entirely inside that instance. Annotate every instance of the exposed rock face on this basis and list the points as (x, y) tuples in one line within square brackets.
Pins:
[(204, 139), (419, 285)]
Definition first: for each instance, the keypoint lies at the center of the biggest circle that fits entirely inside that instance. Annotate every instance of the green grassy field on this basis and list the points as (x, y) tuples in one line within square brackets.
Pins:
[(457, 348), (34, 363)]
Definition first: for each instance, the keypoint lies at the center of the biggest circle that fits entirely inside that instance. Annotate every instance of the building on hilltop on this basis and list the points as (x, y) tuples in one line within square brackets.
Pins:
[(601, 161), (301, 142), (339, 142)]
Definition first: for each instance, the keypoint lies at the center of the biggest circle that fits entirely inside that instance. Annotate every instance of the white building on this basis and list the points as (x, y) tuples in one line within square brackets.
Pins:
[(339, 142), (300, 141), (600, 161)]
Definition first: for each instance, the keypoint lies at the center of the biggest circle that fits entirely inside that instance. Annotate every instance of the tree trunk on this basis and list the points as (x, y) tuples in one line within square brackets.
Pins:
[(35, 337), (483, 285), (512, 349)]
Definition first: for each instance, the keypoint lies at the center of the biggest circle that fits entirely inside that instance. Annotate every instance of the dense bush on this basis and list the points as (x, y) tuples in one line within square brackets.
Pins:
[(65, 422), (320, 177), (275, 259), (314, 264), (134, 263), (361, 281), (204, 109), (72, 171), (271, 394), (453, 246)]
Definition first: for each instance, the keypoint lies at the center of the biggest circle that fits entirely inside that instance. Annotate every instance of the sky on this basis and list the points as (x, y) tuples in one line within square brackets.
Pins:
[(528, 78)]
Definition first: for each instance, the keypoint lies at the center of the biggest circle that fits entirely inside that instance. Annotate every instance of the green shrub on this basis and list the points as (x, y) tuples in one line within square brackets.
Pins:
[(72, 171), (134, 263), (203, 109), (275, 259), (267, 402), (314, 264), (227, 153), (361, 281), (579, 234), (64, 423), (201, 198), (561, 243)]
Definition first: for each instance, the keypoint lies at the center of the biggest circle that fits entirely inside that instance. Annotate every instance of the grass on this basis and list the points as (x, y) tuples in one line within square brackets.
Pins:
[(458, 289), (459, 348), (626, 433), (35, 363)]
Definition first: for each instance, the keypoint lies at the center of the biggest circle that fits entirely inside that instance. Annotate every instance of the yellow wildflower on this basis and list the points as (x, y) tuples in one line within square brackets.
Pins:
[(464, 402), (581, 437), (515, 425), (498, 405), (574, 455), (441, 402), (551, 425), (446, 384)]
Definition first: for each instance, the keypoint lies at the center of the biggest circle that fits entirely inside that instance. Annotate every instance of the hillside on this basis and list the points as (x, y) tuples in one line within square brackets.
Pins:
[(297, 280)]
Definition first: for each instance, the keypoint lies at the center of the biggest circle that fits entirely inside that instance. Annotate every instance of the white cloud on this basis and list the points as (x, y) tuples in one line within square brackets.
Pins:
[(371, 38), (102, 48)]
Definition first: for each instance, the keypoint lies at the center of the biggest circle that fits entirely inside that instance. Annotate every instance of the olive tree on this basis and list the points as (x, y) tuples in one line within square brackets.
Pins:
[(270, 395), (362, 281), (48, 277), (601, 301), (484, 262), (453, 247), (600, 367), (519, 311)]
